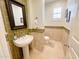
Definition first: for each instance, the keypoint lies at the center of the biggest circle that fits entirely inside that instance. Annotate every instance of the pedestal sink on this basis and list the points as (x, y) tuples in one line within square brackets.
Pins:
[(24, 42)]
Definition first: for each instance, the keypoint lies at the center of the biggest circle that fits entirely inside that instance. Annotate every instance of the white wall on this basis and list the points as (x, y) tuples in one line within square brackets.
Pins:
[(30, 13), (77, 23), (73, 6), (49, 20), (36, 9)]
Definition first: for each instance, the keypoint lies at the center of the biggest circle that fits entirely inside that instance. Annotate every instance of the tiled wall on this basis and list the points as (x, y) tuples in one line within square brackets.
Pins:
[(38, 42), (54, 33), (59, 34)]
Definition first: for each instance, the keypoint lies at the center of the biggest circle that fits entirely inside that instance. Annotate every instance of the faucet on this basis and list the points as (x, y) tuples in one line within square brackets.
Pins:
[(15, 37)]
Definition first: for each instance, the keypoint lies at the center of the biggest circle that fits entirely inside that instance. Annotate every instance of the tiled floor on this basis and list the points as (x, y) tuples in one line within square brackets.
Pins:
[(51, 51)]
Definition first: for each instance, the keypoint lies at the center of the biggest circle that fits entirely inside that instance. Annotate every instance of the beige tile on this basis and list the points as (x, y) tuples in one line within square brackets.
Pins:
[(55, 52)]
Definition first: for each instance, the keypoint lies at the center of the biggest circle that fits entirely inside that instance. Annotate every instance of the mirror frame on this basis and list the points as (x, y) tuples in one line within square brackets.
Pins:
[(11, 16)]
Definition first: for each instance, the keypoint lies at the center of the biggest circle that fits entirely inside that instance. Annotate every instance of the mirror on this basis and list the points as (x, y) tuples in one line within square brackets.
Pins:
[(17, 14)]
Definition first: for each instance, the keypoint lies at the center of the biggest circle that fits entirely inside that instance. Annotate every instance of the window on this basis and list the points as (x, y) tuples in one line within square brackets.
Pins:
[(57, 13)]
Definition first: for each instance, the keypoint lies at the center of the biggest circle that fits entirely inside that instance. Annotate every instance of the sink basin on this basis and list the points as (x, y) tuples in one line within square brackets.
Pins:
[(23, 41)]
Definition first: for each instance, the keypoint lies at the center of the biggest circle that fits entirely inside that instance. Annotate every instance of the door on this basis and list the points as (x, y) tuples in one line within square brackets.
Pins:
[(4, 50)]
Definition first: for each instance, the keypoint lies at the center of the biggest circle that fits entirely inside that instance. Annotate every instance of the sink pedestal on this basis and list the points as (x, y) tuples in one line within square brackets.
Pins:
[(26, 52), (24, 43)]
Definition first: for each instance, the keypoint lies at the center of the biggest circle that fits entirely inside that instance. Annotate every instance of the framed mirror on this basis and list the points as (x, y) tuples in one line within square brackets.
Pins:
[(17, 14)]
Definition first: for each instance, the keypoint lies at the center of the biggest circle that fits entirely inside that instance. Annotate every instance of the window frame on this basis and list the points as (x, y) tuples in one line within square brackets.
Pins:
[(57, 12)]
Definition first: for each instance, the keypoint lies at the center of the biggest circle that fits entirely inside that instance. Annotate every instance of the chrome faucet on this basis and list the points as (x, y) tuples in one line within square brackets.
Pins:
[(15, 37)]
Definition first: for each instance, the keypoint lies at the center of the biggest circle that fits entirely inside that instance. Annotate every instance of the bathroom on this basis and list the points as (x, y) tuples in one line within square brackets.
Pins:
[(51, 36)]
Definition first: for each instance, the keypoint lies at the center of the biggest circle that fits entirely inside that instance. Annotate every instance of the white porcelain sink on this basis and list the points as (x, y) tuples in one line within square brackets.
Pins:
[(23, 41)]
